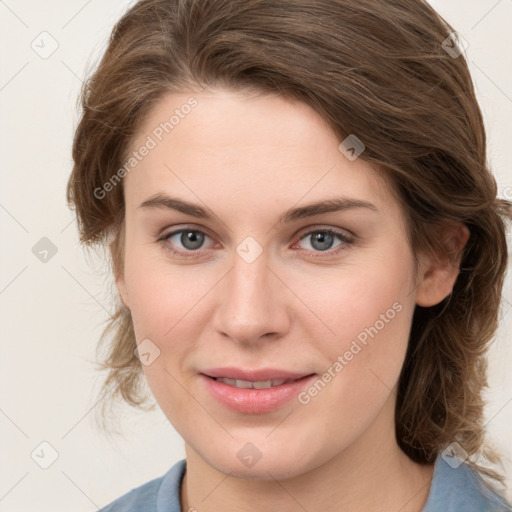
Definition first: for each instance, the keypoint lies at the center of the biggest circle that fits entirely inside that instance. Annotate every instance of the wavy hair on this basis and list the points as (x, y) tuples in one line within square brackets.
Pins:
[(387, 71)]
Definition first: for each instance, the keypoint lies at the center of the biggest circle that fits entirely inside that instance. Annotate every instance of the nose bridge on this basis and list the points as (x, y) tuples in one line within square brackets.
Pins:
[(251, 305)]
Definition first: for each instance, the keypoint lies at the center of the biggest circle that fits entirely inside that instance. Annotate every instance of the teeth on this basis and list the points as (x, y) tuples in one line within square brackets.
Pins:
[(246, 384), (243, 384), (262, 384)]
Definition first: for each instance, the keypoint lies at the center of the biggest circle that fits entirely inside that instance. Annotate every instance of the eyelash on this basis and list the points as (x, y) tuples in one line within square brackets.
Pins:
[(347, 241)]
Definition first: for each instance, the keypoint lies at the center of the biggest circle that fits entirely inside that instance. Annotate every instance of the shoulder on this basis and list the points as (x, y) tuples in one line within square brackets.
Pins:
[(140, 498), (159, 494), (456, 487)]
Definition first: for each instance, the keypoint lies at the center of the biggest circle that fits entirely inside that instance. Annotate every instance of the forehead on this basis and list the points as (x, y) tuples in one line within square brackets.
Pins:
[(246, 146)]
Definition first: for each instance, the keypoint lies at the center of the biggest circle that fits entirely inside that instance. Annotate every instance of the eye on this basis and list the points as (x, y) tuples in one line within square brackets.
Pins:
[(322, 240), (190, 239)]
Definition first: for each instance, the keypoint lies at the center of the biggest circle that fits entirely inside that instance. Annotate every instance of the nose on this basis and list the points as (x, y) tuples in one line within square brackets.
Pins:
[(252, 303)]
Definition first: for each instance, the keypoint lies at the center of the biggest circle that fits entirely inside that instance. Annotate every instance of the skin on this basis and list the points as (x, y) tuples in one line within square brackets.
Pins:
[(249, 158)]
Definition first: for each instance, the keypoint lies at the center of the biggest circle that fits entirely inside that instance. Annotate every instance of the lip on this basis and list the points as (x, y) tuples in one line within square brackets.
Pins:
[(255, 401), (232, 372)]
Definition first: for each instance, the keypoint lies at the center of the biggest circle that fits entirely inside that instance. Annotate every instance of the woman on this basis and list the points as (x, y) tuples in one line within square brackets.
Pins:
[(308, 248)]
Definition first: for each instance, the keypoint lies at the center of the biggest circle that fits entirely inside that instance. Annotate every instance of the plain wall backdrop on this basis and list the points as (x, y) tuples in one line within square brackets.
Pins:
[(53, 312)]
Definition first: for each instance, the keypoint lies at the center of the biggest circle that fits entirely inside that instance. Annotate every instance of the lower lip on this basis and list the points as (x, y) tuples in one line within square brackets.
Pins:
[(255, 401)]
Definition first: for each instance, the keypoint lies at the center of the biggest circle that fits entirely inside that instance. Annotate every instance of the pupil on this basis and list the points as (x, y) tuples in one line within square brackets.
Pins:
[(322, 237), (192, 237)]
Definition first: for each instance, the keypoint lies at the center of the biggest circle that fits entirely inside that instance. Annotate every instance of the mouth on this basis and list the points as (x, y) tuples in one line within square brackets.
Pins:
[(253, 378), (259, 384), (254, 391)]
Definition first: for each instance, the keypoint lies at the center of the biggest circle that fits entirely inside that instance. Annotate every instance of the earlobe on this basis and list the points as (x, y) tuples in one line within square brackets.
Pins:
[(116, 246), (121, 286), (439, 272)]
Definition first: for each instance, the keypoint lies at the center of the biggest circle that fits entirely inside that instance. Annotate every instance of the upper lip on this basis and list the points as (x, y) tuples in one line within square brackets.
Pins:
[(262, 374)]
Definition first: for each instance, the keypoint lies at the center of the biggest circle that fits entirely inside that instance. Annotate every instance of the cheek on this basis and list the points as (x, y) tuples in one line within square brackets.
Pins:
[(367, 291), (370, 355), (364, 314), (161, 294)]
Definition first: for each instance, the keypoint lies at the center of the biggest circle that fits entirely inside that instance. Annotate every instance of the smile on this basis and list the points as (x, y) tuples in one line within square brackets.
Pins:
[(247, 384), (254, 396)]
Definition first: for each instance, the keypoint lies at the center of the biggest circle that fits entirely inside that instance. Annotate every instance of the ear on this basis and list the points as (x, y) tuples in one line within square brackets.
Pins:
[(438, 272), (116, 247), (121, 286)]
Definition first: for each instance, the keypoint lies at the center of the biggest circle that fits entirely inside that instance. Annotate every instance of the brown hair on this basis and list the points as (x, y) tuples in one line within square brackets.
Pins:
[(374, 68)]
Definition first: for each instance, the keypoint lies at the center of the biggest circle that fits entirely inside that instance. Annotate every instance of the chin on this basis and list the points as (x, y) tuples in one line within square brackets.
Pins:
[(252, 461)]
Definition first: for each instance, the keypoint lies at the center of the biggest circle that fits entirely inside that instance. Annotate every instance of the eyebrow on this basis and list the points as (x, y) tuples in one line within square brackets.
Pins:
[(330, 205)]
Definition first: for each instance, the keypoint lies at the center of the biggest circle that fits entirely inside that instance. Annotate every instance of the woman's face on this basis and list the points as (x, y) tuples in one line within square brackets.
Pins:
[(262, 289)]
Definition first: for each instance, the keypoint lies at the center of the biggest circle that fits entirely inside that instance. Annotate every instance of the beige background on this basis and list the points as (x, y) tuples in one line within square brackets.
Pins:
[(52, 313)]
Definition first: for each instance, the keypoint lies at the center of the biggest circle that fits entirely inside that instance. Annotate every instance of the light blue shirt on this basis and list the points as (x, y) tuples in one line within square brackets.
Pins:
[(452, 489)]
